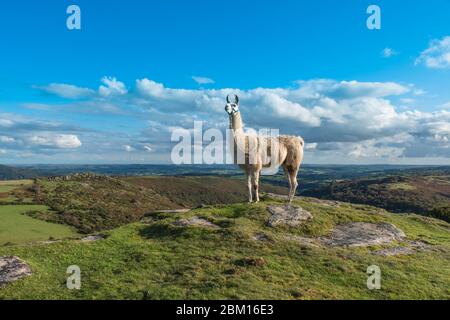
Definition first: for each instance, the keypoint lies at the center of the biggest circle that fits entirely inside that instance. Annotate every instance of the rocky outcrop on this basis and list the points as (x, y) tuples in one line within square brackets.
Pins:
[(394, 251), (195, 221), (411, 248), (360, 234), (12, 269), (287, 215)]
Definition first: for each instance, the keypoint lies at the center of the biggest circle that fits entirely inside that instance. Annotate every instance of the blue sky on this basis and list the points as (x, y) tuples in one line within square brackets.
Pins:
[(346, 71)]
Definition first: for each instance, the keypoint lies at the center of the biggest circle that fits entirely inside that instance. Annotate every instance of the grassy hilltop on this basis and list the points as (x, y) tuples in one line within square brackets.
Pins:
[(232, 254)]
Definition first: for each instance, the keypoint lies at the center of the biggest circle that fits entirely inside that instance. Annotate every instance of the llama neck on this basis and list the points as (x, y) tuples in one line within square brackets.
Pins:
[(236, 122), (238, 137)]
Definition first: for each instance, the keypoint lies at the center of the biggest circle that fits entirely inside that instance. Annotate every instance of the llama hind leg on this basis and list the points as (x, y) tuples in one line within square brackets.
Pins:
[(250, 187), (293, 184), (255, 182), (288, 178)]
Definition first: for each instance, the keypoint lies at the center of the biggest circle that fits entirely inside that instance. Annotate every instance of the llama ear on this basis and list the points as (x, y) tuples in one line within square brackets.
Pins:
[(228, 98), (236, 99)]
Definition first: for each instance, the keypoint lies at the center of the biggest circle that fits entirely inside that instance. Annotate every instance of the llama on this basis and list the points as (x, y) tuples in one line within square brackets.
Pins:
[(258, 152)]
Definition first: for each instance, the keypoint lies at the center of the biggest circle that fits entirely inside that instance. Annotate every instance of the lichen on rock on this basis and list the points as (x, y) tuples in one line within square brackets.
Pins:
[(287, 215), (12, 269)]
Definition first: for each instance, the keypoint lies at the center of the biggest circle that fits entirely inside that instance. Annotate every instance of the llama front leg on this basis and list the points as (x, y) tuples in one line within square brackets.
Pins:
[(256, 185), (249, 185)]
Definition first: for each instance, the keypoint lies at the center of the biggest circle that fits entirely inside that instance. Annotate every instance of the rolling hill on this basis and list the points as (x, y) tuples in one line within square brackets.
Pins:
[(12, 173), (423, 194), (92, 202)]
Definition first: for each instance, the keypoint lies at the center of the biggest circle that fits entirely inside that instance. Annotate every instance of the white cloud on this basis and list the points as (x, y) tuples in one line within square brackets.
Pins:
[(66, 90), (112, 87), (128, 148), (437, 55), (338, 119), (5, 139), (311, 146), (203, 80), (388, 52), (370, 150), (6, 123), (149, 88), (347, 89), (280, 108), (61, 141)]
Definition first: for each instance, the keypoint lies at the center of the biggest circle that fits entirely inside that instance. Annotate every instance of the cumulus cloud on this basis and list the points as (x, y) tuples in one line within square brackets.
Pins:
[(66, 90), (24, 139), (112, 87), (62, 141), (356, 120), (338, 119), (203, 80), (437, 55)]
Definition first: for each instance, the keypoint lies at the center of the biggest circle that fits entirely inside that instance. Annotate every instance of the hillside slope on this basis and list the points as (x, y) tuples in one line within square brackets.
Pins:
[(192, 191), (426, 194), (230, 252), (92, 202)]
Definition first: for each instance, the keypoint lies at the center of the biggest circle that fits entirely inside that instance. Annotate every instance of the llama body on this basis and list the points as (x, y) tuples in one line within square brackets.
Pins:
[(253, 153)]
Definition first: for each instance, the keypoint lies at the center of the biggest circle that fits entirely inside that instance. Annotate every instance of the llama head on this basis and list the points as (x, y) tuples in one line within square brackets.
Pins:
[(232, 107)]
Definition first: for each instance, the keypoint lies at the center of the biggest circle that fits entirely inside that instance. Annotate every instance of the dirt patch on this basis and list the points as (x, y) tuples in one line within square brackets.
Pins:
[(287, 215), (360, 234), (12, 269)]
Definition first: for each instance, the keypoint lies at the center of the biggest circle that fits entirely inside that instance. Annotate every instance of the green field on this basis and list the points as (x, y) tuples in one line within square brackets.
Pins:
[(9, 188), (10, 185), (17, 228), (159, 260)]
